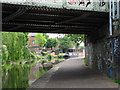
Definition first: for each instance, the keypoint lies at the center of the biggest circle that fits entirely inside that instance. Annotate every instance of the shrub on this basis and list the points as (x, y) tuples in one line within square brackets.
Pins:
[(45, 50), (49, 57), (43, 62), (33, 56), (38, 57), (53, 50), (32, 61), (117, 81), (39, 53), (43, 54), (60, 56)]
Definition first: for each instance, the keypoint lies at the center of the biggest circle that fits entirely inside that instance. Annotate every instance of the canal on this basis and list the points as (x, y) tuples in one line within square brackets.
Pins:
[(21, 76)]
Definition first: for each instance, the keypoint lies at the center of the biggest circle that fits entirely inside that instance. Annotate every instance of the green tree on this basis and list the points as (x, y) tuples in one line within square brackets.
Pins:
[(49, 43), (40, 40), (4, 56), (52, 42), (65, 44), (77, 38), (46, 36), (26, 38), (16, 45)]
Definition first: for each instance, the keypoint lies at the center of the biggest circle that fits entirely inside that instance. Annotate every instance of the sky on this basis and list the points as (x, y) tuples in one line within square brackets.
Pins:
[(51, 35)]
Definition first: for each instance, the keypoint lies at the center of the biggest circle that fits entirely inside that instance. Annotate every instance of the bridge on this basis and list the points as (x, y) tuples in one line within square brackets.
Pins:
[(54, 16), (99, 21)]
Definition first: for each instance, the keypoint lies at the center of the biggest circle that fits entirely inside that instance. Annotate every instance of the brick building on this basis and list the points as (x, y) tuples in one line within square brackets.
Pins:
[(32, 46), (32, 40)]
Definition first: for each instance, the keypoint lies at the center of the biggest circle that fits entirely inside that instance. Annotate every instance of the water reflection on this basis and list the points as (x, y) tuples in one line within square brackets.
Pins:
[(21, 76)]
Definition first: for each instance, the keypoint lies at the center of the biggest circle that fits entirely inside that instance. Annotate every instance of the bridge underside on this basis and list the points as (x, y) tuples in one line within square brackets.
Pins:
[(50, 20)]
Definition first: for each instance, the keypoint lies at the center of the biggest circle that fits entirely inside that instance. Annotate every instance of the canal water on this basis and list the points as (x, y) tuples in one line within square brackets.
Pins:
[(21, 76)]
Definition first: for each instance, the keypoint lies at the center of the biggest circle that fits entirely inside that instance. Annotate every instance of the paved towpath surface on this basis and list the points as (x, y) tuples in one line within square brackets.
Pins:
[(73, 74)]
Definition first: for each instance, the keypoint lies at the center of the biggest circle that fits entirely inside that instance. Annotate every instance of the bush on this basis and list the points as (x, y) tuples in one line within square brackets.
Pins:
[(117, 81), (33, 56), (38, 57), (39, 53), (53, 50), (32, 61), (43, 54), (45, 50), (60, 56), (49, 57), (43, 62)]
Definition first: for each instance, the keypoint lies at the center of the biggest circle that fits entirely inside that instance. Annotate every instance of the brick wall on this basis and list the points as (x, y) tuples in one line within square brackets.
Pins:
[(30, 41)]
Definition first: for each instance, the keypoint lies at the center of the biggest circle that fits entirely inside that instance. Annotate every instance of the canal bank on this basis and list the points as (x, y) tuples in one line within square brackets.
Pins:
[(23, 75)]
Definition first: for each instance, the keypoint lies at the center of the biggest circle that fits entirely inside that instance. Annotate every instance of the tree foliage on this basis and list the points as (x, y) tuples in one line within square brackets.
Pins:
[(55, 42), (65, 43), (52, 42), (40, 40), (46, 36), (16, 46), (77, 38)]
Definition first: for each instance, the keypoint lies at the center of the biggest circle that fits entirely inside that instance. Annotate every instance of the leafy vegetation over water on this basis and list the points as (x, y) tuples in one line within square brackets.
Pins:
[(17, 77), (20, 76)]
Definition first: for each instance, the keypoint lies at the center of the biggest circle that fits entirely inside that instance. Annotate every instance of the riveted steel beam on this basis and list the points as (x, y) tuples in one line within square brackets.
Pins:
[(17, 27), (74, 19), (19, 12), (43, 25)]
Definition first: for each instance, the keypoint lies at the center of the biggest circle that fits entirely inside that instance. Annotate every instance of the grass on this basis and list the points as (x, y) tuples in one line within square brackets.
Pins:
[(84, 61), (39, 74), (117, 81)]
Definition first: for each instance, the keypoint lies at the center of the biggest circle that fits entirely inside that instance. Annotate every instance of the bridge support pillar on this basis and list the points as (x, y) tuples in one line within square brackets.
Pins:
[(103, 52)]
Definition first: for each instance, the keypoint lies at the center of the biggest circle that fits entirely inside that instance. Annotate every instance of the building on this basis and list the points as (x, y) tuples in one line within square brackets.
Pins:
[(31, 45), (32, 40)]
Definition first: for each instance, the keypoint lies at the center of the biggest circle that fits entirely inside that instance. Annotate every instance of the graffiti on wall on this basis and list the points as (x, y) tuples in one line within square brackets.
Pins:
[(79, 2), (102, 3), (104, 55), (116, 47), (85, 3)]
